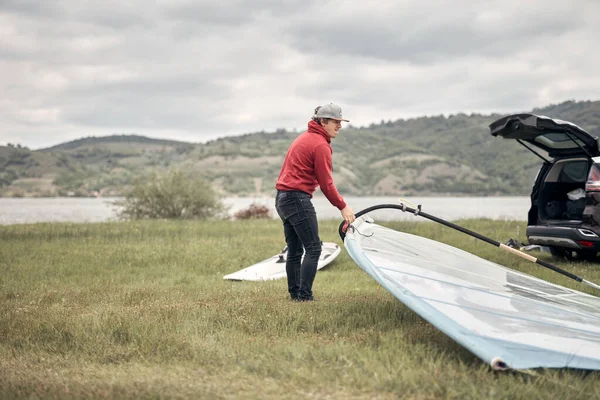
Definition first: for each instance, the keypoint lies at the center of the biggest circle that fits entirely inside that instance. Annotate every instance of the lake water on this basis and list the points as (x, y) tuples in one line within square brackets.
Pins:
[(26, 210)]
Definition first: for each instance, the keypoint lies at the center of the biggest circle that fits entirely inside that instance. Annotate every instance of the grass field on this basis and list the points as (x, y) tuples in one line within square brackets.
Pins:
[(140, 310)]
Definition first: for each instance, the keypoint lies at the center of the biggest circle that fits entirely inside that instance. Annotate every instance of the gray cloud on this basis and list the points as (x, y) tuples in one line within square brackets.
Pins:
[(440, 32), (32, 8), (196, 70), (231, 12)]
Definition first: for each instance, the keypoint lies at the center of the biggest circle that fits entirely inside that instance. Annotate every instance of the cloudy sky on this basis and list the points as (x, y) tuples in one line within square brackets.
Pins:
[(196, 70)]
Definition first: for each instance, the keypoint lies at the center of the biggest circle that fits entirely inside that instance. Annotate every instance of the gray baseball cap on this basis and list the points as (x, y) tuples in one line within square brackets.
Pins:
[(331, 111)]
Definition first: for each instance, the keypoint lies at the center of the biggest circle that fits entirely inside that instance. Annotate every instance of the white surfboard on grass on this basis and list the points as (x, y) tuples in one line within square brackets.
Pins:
[(274, 267)]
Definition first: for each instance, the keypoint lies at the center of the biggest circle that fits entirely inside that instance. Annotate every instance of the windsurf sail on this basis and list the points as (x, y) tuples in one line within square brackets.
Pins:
[(506, 318)]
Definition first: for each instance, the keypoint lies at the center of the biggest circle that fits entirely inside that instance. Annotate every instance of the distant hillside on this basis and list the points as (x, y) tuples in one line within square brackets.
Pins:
[(438, 155), (92, 140)]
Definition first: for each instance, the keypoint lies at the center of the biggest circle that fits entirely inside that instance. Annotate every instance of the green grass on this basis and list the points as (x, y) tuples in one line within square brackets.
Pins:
[(140, 310)]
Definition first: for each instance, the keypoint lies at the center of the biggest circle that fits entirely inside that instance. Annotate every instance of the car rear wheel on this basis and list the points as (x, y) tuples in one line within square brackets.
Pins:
[(588, 255), (561, 252)]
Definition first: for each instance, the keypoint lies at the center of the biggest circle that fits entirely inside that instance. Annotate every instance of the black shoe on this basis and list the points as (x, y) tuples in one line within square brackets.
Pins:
[(305, 299)]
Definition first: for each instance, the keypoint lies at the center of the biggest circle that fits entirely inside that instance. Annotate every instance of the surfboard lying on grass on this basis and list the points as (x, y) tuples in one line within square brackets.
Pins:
[(274, 267), (506, 318)]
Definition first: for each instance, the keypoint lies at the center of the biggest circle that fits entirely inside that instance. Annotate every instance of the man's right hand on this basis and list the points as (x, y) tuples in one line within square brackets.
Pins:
[(348, 215)]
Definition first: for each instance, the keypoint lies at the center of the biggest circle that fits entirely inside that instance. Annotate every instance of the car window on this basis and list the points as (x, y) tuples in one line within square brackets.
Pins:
[(558, 140), (557, 137), (574, 172)]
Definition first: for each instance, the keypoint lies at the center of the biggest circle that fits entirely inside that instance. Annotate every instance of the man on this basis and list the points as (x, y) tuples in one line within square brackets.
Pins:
[(307, 165)]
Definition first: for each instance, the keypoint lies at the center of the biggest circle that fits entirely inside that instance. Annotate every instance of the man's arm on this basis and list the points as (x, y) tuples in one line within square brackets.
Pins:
[(323, 169)]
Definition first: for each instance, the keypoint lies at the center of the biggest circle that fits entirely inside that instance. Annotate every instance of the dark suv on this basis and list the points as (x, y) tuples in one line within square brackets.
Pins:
[(565, 198)]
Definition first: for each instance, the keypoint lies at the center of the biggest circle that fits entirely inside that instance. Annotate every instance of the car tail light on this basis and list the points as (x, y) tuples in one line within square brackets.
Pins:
[(593, 182), (585, 243)]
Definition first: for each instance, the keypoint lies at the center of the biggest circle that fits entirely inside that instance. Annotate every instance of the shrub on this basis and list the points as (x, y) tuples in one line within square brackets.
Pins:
[(170, 196), (254, 211)]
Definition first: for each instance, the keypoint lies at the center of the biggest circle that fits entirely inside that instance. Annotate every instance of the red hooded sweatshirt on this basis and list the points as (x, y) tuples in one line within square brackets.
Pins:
[(307, 165)]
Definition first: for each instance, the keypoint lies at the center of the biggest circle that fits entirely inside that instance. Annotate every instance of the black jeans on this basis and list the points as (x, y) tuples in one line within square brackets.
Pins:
[(301, 230)]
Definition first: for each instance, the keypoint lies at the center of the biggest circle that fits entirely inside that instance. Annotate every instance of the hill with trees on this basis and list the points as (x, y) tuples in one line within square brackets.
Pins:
[(433, 155)]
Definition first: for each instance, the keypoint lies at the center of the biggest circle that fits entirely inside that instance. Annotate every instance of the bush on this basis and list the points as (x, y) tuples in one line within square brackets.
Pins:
[(254, 211), (170, 196)]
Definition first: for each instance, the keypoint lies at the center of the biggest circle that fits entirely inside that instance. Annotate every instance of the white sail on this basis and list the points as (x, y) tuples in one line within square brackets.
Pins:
[(506, 318)]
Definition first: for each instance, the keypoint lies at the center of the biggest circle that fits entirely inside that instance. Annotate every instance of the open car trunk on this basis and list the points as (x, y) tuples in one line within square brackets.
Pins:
[(561, 198)]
